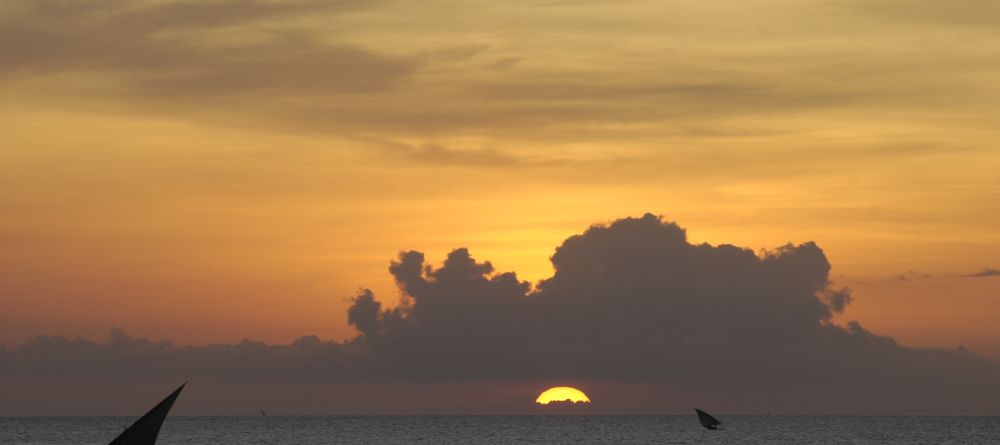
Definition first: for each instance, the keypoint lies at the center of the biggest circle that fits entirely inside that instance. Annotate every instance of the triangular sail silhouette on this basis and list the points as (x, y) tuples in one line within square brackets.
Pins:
[(145, 430), (707, 420)]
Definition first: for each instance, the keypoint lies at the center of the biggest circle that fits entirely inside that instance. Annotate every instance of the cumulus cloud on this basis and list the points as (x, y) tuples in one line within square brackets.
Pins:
[(632, 302)]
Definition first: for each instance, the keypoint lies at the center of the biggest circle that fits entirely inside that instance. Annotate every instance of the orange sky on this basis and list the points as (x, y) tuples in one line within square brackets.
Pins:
[(207, 175)]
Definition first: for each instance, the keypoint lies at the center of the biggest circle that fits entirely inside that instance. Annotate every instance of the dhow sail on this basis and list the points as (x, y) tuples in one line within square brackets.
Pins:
[(707, 420), (145, 430)]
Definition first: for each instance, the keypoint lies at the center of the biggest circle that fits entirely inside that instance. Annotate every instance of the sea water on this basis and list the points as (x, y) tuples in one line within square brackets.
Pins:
[(797, 430)]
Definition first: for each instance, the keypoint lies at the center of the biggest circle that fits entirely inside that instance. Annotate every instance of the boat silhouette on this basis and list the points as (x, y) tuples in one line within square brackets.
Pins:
[(707, 420), (145, 430)]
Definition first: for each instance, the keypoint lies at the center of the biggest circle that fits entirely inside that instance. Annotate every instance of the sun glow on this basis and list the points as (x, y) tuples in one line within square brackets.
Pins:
[(562, 394)]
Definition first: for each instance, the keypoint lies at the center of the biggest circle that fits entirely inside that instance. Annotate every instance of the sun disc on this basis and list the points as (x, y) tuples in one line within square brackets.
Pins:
[(562, 394)]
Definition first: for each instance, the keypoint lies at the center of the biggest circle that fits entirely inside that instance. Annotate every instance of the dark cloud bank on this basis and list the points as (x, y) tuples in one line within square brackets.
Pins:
[(632, 305)]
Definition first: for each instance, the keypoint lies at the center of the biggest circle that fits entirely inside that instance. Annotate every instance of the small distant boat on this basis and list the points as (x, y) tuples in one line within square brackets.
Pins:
[(145, 430), (707, 420), (263, 414)]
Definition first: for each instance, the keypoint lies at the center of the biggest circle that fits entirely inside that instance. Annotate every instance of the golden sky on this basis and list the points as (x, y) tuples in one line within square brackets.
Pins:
[(209, 171)]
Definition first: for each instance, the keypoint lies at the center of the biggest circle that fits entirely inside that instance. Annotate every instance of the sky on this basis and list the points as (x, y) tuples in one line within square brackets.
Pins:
[(209, 172)]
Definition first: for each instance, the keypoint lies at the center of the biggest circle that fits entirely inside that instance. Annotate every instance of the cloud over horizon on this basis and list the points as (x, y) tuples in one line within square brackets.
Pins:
[(630, 302)]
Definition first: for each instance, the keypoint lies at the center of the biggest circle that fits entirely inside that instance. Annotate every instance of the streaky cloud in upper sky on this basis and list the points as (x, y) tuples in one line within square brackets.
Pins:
[(160, 50), (932, 12), (360, 67)]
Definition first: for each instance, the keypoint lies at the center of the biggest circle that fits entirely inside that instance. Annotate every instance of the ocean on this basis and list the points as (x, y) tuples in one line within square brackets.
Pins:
[(797, 430)]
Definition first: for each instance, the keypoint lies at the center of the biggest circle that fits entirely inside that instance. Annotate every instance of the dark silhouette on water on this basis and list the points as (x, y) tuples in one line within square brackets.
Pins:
[(707, 420), (263, 414), (145, 430)]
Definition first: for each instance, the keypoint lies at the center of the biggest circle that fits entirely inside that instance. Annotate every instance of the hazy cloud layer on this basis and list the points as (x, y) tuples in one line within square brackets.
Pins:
[(630, 302)]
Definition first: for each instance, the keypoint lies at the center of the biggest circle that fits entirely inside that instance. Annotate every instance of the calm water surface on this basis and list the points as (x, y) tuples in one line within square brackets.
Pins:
[(512, 430)]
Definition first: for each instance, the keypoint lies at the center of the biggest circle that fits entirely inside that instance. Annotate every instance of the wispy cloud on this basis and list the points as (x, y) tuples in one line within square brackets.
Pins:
[(912, 275), (986, 272)]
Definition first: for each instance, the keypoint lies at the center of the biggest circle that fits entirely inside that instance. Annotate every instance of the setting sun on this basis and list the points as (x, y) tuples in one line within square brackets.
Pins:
[(562, 394)]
